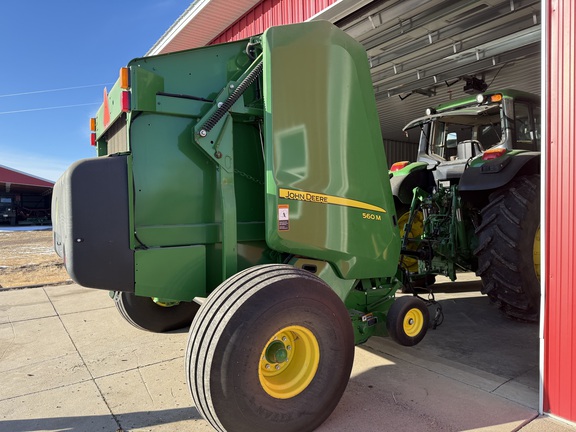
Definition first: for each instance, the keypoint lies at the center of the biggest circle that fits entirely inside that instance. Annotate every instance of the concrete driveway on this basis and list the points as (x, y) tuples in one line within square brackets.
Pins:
[(69, 362)]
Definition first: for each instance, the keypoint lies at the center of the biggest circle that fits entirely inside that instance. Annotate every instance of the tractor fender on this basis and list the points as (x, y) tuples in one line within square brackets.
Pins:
[(405, 180), (497, 173)]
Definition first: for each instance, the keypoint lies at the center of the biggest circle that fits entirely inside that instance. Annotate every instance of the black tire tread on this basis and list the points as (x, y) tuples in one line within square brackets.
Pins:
[(395, 320), (504, 255), (160, 319), (211, 320)]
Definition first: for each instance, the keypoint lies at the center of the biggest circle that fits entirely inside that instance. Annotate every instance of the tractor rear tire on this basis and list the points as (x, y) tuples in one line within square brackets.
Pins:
[(408, 320), (144, 314), (509, 248), (407, 262), (271, 349), (403, 214)]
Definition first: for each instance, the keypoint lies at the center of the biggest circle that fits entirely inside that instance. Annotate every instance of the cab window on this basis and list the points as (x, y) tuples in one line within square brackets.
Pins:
[(526, 134)]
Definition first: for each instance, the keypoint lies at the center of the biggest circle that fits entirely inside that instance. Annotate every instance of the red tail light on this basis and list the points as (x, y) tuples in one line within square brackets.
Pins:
[(397, 166), (493, 153), (93, 139), (125, 101)]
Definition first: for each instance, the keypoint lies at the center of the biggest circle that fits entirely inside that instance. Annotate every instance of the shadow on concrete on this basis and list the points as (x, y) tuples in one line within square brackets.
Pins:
[(475, 333), (398, 398), (478, 370), (118, 423)]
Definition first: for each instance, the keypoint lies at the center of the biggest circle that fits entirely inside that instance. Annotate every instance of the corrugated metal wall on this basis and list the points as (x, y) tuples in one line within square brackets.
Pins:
[(397, 151), (560, 314), (269, 13)]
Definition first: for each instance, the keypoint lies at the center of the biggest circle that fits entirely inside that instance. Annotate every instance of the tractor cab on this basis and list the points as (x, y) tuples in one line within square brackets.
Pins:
[(454, 134)]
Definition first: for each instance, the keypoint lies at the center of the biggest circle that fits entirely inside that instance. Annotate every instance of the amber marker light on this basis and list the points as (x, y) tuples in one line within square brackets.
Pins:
[(124, 78), (496, 97), (93, 124)]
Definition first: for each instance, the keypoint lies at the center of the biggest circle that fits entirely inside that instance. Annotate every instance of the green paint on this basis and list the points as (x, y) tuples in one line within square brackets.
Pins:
[(323, 136), (176, 273), (327, 273), (204, 206), (410, 168)]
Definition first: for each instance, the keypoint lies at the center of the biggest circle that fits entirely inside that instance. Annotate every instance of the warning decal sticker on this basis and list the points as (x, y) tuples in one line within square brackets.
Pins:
[(283, 217)]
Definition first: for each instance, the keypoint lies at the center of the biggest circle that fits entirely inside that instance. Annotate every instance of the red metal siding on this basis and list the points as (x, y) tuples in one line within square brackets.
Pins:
[(269, 13), (560, 314), (14, 177)]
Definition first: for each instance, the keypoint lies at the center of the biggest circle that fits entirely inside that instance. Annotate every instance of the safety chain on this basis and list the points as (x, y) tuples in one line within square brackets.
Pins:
[(249, 177), (439, 315)]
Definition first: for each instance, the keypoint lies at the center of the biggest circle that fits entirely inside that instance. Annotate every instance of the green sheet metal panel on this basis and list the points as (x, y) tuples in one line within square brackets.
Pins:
[(177, 273), (177, 186), (327, 186)]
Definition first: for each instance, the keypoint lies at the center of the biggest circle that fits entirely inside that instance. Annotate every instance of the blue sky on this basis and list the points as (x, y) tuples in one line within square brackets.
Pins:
[(56, 58)]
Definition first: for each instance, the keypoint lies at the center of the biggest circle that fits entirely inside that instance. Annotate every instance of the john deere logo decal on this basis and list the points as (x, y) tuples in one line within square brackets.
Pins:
[(326, 199)]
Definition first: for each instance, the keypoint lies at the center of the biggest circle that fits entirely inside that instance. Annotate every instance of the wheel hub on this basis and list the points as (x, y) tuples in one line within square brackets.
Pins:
[(413, 322), (165, 302), (276, 352), (289, 362)]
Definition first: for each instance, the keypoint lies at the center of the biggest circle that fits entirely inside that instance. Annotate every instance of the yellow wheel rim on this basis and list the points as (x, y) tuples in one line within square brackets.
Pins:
[(410, 263), (165, 303), (536, 253), (289, 362), (413, 322)]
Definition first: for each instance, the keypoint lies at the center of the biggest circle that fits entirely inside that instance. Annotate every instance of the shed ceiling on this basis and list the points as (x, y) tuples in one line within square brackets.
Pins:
[(420, 51)]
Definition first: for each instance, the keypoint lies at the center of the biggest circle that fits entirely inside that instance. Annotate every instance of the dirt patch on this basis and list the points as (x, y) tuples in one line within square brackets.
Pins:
[(28, 258)]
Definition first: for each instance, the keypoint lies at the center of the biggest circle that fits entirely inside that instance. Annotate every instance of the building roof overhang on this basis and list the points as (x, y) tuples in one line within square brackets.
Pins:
[(11, 178), (205, 20), (201, 23)]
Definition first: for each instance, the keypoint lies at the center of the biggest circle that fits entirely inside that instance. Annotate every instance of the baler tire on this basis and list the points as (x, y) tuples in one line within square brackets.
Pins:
[(508, 239), (232, 381), (144, 314), (408, 320), (403, 214)]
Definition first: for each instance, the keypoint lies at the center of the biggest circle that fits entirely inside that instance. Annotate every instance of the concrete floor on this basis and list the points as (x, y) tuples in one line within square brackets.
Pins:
[(69, 362)]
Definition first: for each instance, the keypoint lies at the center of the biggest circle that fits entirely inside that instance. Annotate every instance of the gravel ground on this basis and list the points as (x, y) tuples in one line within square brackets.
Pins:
[(28, 258)]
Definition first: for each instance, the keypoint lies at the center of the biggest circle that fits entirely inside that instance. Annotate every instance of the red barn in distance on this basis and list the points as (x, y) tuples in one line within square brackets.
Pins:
[(24, 198)]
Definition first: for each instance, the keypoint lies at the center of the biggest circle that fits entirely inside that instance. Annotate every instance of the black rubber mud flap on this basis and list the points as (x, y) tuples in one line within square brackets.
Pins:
[(90, 221)]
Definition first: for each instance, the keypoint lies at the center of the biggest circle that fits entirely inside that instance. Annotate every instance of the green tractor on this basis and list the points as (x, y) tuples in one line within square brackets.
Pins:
[(471, 202), (248, 178)]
